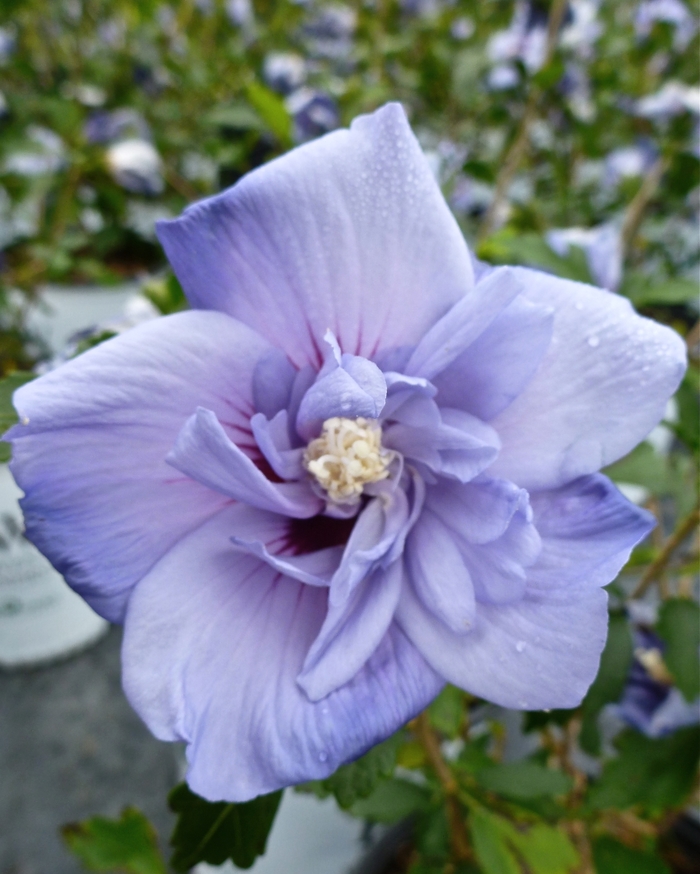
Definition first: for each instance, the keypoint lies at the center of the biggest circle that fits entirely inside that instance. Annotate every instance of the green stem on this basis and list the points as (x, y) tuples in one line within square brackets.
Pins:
[(461, 849), (657, 567)]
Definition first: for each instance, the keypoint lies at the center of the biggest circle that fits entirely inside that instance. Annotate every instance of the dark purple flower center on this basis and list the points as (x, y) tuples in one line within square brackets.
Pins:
[(319, 532)]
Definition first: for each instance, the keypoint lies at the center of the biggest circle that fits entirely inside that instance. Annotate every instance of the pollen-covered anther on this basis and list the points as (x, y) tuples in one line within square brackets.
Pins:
[(346, 457)]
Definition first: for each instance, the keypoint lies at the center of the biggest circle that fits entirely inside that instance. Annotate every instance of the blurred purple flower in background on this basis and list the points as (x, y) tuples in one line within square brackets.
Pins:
[(628, 161), (582, 29), (672, 12), (361, 466), (119, 124), (313, 113), (650, 702), (674, 98), (284, 71), (603, 248), (524, 40), (136, 166), (131, 157)]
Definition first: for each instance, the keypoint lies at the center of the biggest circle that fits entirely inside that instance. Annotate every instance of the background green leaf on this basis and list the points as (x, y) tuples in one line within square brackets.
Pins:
[(490, 844), (358, 779), (524, 779), (128, 844), (654, 773), (8, 416), (447, 711), (612, 857), (679, 627), (215, 832), (391, 801), (546, 849), (607, 687)]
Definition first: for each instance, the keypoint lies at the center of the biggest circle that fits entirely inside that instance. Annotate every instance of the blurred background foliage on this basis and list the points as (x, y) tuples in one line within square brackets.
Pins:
[(565, 135)]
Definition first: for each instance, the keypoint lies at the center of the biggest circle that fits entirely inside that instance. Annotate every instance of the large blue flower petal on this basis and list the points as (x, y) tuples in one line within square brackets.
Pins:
[(101, 503), (588, 530), (602, 385), (348, 233), (214, 643), (539, 653)]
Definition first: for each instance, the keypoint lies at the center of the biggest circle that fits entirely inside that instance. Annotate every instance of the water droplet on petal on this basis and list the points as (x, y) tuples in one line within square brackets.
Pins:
[(322, 757), (520, 645), (593, 342)]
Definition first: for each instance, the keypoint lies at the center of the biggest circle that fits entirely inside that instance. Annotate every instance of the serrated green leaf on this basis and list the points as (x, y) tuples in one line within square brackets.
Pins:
[(490, 843), (679, 627), (128, 844), (524, 779), (608, 685), (358, 779), (546, 849), (612, 857), (447, 711), (216, 832), (8, 415), (654, 773), (391, 801)]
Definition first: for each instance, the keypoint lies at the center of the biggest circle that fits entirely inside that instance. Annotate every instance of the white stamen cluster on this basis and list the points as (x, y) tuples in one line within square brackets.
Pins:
[(346, 456)]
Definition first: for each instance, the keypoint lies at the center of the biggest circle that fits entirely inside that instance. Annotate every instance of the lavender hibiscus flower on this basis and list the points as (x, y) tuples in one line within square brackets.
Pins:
[(359, 467)]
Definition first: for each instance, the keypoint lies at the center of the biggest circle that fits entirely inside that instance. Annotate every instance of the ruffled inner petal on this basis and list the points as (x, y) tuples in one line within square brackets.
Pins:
[(273, 379), (439, 575), (376, 530), (272, 437), (313, 568), (459, 446), (351, 633), (496, 367), (204, 452), (499, 569), (479, 511), (354, 388), (467, 319)]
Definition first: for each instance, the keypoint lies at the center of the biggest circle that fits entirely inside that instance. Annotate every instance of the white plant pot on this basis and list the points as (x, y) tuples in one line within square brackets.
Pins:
[(41, 618)]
